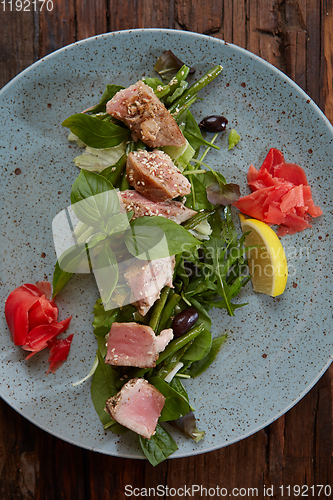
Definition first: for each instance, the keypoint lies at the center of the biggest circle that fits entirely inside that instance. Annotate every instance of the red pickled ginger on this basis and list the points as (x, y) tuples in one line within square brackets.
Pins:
[(281, 195)]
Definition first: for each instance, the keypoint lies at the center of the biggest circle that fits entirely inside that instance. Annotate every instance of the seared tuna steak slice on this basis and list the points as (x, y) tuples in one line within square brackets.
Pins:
[(142, 206), (131, 344), (147, 117), (146, 280), (154, 175), (137, 406)]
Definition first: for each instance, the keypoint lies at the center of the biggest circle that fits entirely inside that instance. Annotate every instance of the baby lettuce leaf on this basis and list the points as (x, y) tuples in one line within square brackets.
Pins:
[(159, 447), (188, 426), (108, 93), (225, 194), (157, 237), (168, 64), (233, 139), (94, 132)]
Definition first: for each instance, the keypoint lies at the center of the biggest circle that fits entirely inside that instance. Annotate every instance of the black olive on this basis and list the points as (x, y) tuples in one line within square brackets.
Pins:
[(213, 123), (184, 321)]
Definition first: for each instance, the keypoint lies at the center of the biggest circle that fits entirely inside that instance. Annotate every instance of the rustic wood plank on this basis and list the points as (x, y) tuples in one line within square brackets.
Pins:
[(314, 59), (19, 462), (323, 439), (199, 16), (17, 50), (227, 29), (57, 28), (326, 102), (91, 18), (131, 14), (298, 446)]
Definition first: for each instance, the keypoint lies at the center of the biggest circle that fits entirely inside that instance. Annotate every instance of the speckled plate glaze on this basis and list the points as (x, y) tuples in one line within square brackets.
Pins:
[(277, 348)]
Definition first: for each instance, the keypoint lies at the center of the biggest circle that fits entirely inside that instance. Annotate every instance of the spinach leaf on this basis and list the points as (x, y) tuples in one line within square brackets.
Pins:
[(199, 347), (175, 404), (159, 446), (201, 365), (177, 385), (108, 93), (94, 132), (103, 387), (157, 237), (103, 319)]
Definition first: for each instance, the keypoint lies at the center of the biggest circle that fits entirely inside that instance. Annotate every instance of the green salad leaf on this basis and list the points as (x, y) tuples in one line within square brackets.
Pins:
[(95, 132)]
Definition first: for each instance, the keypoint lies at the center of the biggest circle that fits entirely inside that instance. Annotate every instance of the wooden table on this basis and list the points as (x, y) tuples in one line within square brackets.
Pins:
[(297, 37)]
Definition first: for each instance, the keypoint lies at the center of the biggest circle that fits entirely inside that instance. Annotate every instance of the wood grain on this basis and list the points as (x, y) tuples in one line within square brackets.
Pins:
[(297, 37)]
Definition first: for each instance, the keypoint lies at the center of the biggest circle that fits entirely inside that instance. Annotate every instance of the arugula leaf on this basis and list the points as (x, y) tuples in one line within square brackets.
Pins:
[(193, 134), (157, 237), (94, 132), (233, 139), (108, 93), (159, 447), (175, 404), (197, 199)]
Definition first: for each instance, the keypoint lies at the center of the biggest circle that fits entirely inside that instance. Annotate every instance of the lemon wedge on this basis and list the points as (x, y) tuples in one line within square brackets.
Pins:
[(267, 262)]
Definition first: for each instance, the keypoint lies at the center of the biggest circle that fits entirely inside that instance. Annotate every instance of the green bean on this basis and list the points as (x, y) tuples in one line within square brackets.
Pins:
[(158, 308), (178, 343), (174, 82), (173, 300), (178, 114), (169, 365), (194, 89), (171, 349), (197, 218)]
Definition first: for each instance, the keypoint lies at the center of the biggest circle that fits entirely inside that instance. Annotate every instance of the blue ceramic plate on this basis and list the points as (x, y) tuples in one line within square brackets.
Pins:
[(277, 348)]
